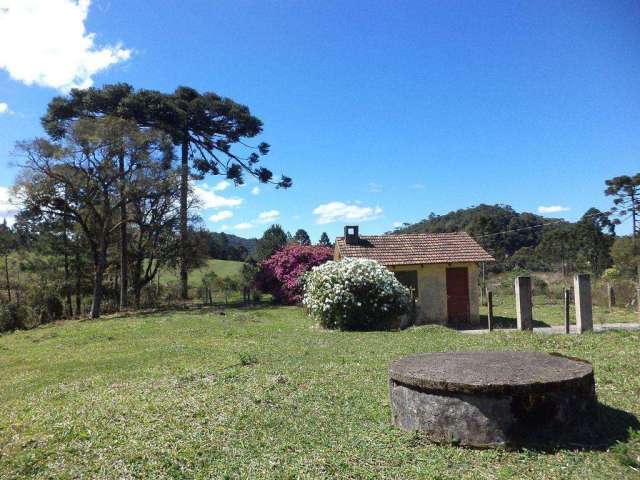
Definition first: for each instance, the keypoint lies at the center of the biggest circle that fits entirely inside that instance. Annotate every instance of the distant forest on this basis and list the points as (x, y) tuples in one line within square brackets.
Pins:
[(226, 246), (529, 241)]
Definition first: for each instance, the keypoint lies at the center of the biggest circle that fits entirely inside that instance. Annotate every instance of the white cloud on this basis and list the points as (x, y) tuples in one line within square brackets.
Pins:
[(552, 209), (374, 187), (45, 42), (8, 206), (209, 199), (339, 211), (221, 185), (268, 216), (417, 186), (4, 108), (222, 215), (243, 226), (255, 190), (397, 224)]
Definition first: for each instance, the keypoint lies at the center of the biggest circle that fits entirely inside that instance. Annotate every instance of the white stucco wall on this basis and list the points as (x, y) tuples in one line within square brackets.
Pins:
[(432, 291)]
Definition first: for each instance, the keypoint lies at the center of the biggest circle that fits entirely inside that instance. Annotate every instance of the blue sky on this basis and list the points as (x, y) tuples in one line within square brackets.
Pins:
[(380, 111)]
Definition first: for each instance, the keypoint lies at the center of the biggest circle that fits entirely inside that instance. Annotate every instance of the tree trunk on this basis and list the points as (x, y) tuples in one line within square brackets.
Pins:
[(100, 265), (67, 289), (6, 271), (137, 283), (78, 285), (97, 291), (184, 231), (136, 298), (124, 303), (157, 299)]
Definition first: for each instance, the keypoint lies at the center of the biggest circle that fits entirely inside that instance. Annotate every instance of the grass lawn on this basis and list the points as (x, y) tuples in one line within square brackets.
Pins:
[(222, 268), (548, 312), (264, 393)]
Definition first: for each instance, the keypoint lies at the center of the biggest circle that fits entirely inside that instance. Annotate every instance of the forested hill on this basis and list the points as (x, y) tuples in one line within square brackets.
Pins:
[(526, 244), (226, 246), (248, 243)]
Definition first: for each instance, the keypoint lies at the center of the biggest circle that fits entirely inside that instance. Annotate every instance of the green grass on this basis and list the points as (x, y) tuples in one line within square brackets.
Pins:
[(547, 311), (222, 268), (263, 394)]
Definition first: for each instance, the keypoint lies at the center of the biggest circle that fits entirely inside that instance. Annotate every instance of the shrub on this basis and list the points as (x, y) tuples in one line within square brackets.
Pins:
[(47, 308), (539, 286), (355, 294), (281, 273), (14, 316), (8, 317)]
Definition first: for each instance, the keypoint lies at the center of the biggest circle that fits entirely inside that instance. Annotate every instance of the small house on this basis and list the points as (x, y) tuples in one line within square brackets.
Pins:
[(440, 268)]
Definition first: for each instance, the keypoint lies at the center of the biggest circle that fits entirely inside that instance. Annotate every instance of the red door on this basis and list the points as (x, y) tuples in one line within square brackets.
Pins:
[(458, 295)]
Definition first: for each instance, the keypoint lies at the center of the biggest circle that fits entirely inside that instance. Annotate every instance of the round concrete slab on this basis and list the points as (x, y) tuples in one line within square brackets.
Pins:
[(488, 399), (492, 372)]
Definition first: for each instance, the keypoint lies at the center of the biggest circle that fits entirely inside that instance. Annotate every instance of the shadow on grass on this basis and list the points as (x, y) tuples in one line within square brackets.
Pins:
[(603, 428), (500, 322), (191, 306)]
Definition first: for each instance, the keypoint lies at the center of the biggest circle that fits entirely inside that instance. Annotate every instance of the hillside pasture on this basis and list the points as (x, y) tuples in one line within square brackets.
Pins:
[(222, 268)]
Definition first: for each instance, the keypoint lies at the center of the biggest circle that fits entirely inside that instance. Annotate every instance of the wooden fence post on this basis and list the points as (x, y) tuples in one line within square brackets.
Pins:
[(567, 303), (490, 310)]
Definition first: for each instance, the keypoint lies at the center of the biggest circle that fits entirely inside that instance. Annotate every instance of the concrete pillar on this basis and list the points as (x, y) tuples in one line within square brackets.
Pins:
[(523, 303), (582, 292)]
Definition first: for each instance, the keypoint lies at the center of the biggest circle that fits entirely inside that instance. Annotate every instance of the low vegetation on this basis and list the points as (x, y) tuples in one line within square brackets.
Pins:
[(548, 299), (259, 393), (355, 294), (281, 274)]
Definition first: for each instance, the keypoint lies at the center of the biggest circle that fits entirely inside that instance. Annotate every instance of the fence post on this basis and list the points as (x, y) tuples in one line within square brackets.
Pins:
[(523, 303), (582, 292), (567, 303), (490, 310), (611, 295)]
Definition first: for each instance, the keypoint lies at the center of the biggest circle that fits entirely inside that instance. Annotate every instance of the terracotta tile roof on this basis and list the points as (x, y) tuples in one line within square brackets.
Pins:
[(415, 248)]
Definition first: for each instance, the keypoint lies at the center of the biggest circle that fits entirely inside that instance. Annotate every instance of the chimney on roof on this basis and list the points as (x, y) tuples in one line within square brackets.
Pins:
[(351, 236)]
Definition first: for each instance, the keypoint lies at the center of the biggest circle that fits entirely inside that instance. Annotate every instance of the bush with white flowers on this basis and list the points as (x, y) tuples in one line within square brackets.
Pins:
[(355, 294)]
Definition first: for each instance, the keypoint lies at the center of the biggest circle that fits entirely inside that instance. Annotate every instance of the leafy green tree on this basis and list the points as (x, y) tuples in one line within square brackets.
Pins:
[(8, 243), (78, 177), (324, 240), (227, 285), (153, 197), (595, 236), (624, 257), (111, 100), (302, 237), (205, 127), (558, 247), (273, 239), (247, 278), (625, 191), (51, 241), (209, 281)]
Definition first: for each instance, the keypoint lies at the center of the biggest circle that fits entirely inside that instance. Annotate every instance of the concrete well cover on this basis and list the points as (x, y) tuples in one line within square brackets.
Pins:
[(489, 372)]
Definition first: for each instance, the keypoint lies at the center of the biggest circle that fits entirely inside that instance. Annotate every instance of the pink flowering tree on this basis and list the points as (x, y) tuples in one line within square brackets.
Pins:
[(280, 274)]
